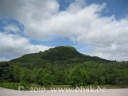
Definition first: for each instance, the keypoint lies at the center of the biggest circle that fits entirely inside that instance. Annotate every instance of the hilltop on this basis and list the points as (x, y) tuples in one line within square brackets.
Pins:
[(57, 55)]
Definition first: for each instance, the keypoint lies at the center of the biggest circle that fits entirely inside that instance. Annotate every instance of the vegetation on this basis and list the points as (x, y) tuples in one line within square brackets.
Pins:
[(14, 85), (63, 65)]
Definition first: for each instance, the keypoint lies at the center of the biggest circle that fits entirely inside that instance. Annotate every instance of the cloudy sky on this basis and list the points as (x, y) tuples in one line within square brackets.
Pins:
[(93, 27)]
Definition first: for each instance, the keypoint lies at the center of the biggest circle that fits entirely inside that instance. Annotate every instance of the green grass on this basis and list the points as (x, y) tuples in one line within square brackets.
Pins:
[(13, 85), (48, 87)]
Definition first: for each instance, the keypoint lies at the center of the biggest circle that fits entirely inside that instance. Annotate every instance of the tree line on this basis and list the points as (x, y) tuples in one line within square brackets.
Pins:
[(88, 73)]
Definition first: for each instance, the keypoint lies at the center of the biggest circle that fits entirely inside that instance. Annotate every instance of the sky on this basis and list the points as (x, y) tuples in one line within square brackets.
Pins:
[(93, 27)]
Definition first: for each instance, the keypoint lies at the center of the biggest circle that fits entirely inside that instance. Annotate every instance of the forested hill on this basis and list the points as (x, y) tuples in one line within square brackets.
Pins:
[(64, 65), (57, 55)]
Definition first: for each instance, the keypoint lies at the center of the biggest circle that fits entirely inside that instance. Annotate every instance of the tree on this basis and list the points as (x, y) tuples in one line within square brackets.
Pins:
[(5, 72), (16, 71), (48, 79), (78, 77), (26, 75), (44, 77)]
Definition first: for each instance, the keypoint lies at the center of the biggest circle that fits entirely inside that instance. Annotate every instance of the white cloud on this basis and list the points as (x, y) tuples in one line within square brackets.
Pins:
[(15, 46), (11, 27), (5, 59), (80, 22)]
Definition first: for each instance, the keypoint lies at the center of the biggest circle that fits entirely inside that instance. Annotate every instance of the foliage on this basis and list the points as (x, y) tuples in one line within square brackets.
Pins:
[(78, 77), (64, 65), (13, 85)]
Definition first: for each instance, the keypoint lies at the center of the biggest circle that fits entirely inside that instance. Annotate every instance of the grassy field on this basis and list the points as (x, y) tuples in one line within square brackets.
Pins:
[(48, 87), (14, 85)]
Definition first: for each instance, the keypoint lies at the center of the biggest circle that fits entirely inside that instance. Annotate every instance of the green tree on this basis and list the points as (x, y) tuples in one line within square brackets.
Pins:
[(26, 75), (5, 72), (44, 77), (78, 77), (16, 71), (48, 79)]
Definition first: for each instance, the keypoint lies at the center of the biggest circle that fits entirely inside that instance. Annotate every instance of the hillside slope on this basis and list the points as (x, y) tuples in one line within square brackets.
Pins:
[(57, 55)]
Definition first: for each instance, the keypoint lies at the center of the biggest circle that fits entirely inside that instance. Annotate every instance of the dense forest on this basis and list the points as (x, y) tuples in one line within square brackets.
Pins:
[(64, 65)]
